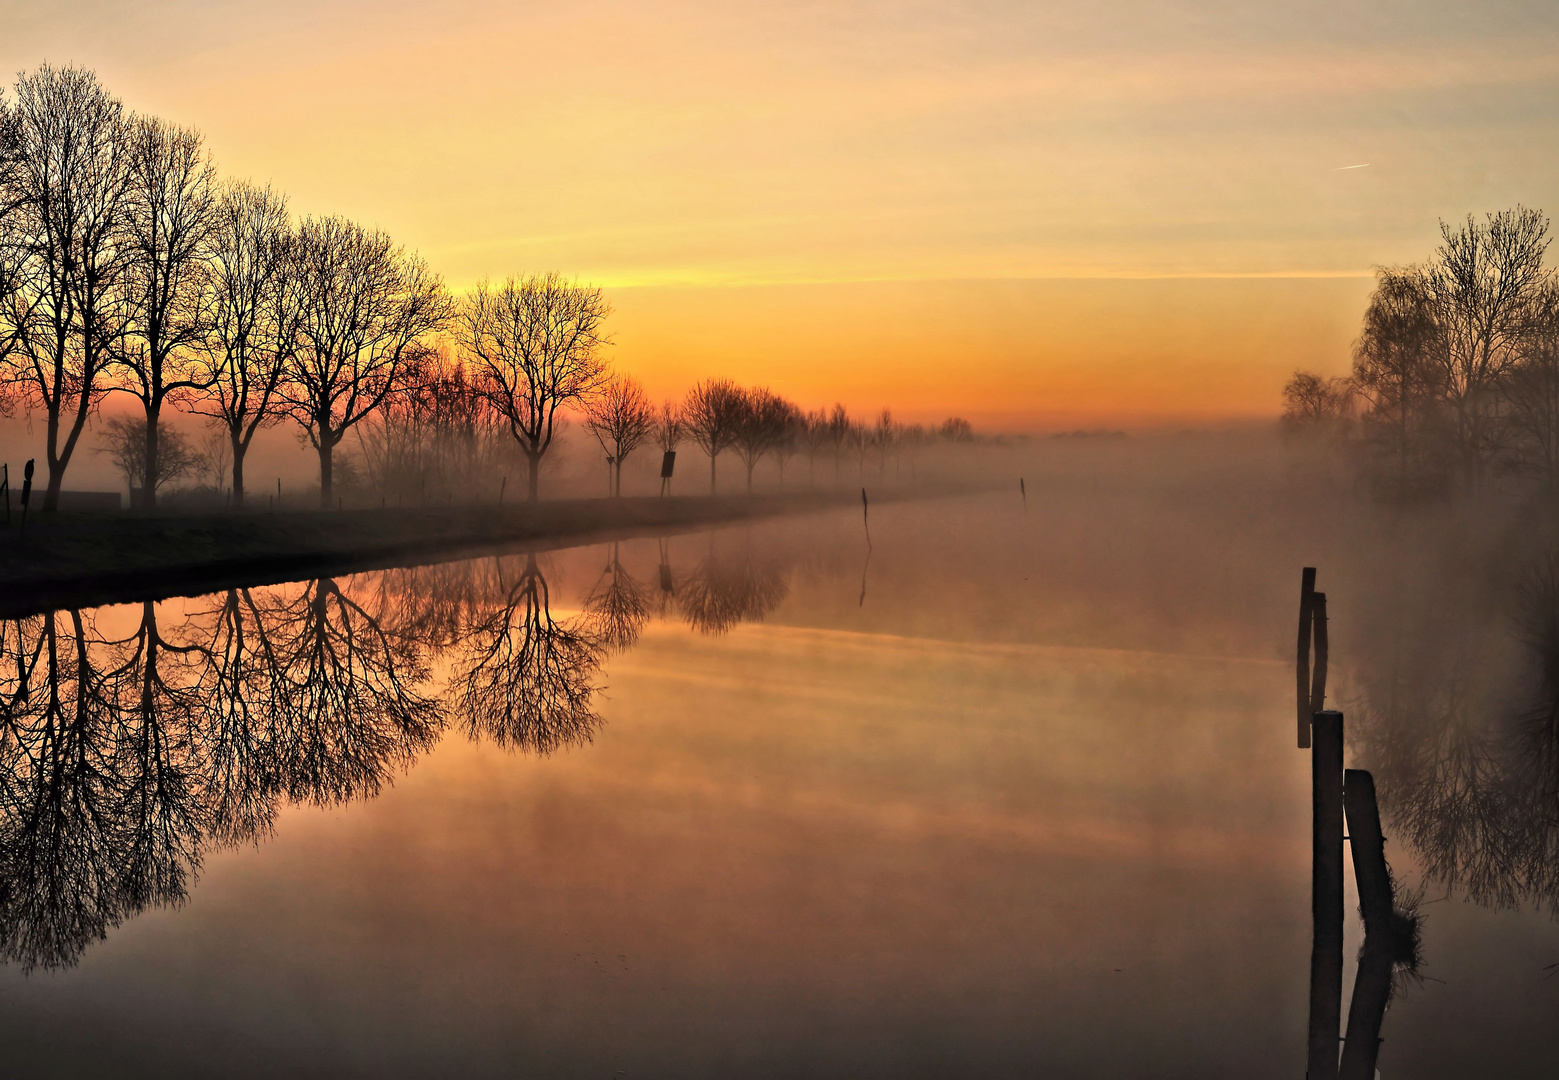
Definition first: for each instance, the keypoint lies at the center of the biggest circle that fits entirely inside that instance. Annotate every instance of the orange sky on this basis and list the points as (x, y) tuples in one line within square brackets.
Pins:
[(1034, 215)]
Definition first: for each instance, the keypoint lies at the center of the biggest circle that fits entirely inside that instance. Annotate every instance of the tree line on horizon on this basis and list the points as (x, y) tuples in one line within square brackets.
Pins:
[(1455, 374), (128, 266)]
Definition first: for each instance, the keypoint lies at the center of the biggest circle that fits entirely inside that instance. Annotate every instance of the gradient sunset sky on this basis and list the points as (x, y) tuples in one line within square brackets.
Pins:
[(1037, 215)]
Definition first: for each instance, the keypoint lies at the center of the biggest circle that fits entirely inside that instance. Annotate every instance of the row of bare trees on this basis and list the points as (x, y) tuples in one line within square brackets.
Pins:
[(128, 266), (1456, 370)]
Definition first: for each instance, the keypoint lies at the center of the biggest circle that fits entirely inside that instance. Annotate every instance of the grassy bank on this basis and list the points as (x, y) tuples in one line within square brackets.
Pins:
[(80, 560)]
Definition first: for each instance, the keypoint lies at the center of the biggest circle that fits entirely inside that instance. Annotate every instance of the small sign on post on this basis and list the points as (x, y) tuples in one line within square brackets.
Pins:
[(668, 464)]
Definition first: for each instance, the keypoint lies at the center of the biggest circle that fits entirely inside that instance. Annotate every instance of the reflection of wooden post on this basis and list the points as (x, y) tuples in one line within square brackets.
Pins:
[(1372, 986), (1302, 669), (1326, 892), (1371, 994)]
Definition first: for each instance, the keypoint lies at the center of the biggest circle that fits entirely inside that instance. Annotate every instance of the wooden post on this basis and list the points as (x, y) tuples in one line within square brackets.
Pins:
[(1326, 893), (1302, 669), (1372, 985), (1318, 674)]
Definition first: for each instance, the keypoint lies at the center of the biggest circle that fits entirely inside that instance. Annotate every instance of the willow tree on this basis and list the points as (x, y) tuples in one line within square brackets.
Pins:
[(537, 342), (367, 308)]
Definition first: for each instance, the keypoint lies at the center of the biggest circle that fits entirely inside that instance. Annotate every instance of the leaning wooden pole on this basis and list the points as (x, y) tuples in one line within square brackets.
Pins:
[(1302, 668), (1318, 672), (1326, 893), (1372, 985)]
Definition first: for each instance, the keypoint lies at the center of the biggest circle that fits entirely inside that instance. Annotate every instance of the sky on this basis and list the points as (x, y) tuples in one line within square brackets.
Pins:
[(1036, 215)]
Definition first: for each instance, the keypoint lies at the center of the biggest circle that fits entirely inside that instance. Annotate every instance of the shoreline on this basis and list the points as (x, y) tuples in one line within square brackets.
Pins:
[(78, 561)]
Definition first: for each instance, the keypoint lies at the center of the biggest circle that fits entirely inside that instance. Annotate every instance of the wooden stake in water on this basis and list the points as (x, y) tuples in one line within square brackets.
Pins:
[(865, 521), (1302, 668), (1325, 892), (1024, 492), (501, 488), (1318, 673)]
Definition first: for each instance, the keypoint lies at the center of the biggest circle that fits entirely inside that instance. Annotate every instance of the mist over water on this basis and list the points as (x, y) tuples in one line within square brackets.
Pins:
[(1008, 789)]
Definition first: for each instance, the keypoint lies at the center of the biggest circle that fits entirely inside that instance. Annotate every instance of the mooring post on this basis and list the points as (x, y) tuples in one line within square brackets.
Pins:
[(1372, 985), (1302, 668), (1318, 673), (1326, 795)]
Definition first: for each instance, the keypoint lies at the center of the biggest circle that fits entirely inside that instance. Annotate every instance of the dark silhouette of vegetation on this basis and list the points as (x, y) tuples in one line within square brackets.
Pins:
[(538, 341)]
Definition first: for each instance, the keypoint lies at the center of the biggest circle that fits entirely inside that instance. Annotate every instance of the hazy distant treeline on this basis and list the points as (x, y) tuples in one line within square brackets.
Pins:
[(1456, 371), (128, 266)]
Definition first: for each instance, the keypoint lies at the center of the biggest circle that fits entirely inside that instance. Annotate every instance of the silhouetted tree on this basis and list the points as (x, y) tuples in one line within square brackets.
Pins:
[(1313, 403), (621, 419), (712, 414), (537, 340), (1396, 371), (1482, 284), (763, 422), (1531, 395), (164, 292), (65, 186), (367, 308), (729, 587), (256, 307)]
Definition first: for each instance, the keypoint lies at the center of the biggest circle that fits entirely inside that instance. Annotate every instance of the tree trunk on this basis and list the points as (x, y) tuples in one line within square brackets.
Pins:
[(325, 467), (617, 485), (533, 477), (238, 473), (750, 464), (711, 472), (149, 467)]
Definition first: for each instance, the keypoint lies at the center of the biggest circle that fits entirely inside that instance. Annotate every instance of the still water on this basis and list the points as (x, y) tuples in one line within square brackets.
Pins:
[(995, 792)]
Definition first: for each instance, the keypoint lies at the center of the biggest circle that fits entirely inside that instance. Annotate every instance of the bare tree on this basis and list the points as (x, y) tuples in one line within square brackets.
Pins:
[(839, 428), (1531, 392), (124, 441), (64, 182), (884, 434), (368, 305), (214, 458), (620, 417), (256, 305), (1312, 402), (538, 342), (669, 427), (164, 289), (711, 414), (815, 434), (763, 423), (1482, 283)]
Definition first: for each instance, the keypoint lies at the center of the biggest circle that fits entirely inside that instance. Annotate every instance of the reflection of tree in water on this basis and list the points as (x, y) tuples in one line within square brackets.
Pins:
[(1458, 722), (122, 760), (617, 605), (526, 679), (730, 587), (125, 759)]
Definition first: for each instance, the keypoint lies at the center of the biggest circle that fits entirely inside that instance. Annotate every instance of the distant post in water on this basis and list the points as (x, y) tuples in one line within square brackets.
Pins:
[(5, 486), (668, 463), (1326, 893), (501, 488), (1302, 669), (1024, 492)]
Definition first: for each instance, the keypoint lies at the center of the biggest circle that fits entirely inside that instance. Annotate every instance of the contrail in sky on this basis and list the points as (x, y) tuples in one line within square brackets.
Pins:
[(1345, 168)]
